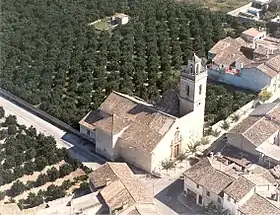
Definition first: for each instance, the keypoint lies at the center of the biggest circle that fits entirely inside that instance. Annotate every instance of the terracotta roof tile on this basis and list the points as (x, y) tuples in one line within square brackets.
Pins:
[(108, 171), (252, 32), (204, 174), (258, 205), (258, 128), (116, 195), (245, 124), (274, 63), (261, 131), (239, 188), (221, 45), (144, 125), (267, 70), (124, 187)]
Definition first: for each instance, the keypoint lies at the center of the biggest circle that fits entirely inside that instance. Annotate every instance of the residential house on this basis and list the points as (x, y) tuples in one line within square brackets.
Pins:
[(214, 180), (143, 134), (120, 18), (252, 11), (251, 61), (258, 134), (205, 183), (120, 191)]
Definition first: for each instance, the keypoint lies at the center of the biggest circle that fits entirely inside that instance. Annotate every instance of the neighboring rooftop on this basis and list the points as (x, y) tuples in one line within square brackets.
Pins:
[(204, 174), (120, 15), (142, 124), (239, 188), (120, 187), (260, 124), (263, 53), (259, 205)]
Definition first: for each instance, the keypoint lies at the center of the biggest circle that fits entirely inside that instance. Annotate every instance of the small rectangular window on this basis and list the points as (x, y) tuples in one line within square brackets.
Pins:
[(207, 193), (219, 200), (200, 89), (188, 90), (197, 186), (88, 132)]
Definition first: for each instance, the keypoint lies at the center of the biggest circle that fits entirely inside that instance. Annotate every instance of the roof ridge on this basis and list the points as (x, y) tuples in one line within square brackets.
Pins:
[(268, 201), (122, 181), (144, 103)]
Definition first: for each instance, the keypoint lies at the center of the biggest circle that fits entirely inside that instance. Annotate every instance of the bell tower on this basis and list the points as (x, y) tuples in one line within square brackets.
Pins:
[(193, 81)]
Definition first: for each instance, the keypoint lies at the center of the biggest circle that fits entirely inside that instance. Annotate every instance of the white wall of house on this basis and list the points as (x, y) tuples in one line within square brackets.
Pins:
[(189, 184), (212, 197), (134, 156), (232, 205), (199, 190), (163, 150), (87, 131), (104, 144), (250, 78)]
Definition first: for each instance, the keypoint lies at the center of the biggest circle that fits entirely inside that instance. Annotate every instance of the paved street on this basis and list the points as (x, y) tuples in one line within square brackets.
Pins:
[(167, 200), (78, 147)]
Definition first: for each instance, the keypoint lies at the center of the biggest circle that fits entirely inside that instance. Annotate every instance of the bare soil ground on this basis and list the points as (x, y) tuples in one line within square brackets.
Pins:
[(215, 5)]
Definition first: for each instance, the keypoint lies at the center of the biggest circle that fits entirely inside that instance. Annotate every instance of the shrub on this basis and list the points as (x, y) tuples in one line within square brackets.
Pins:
[(65, 169), (9, 162), (181, 156), (264, 95), (53, 174), (29, 167), (203, 141), (66, 184), (167, 164), (41, 162), (84, 185), (215, 133), (42, 179), (12, 129), (33, 200), (18, 171), (235, 117), (2, 195), (17, 188), (3, 134), (10, 120), (54, 192), (30, 184), (2, 112), (225, 125)]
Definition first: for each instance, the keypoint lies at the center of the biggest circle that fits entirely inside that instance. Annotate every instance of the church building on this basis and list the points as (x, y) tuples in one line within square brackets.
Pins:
[(143, 134)]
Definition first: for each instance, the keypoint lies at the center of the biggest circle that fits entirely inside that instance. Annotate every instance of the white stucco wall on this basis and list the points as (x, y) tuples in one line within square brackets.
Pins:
[(134, 156), (228, 203), (84, 130), (250, 78), (162, 151), (192, 186), (104, 144), (233, 205)]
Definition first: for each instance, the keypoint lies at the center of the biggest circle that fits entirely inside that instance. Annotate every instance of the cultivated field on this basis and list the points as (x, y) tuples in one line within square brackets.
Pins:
[(33, 170), (222, 5)]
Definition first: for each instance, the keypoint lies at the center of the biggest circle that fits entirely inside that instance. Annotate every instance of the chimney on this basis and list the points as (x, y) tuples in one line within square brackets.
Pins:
[(108, 181)]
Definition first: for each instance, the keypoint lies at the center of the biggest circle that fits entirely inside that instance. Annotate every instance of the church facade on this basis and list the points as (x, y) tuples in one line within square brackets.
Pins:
[(144, 135)]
